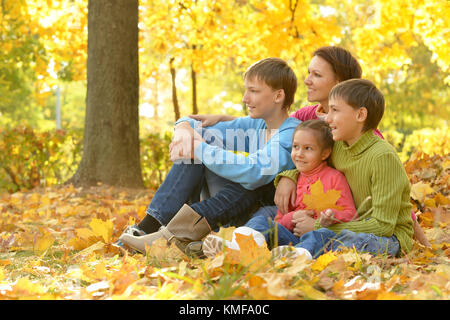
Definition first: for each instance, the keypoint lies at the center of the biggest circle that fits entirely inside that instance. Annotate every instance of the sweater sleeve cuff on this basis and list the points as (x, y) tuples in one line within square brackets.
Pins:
[(291, 174)]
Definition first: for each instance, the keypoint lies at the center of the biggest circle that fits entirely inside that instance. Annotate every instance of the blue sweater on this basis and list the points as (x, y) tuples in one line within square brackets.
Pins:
[(251, 162)]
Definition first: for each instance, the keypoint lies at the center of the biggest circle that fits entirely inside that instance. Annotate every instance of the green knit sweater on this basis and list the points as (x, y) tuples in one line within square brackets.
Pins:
[(379, 185)]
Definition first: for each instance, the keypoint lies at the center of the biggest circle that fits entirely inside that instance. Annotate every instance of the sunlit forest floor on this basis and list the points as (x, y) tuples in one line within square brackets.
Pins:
[(56, 243)]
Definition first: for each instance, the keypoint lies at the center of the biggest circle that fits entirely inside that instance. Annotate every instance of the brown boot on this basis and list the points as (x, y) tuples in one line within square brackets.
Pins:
[(186, 226)]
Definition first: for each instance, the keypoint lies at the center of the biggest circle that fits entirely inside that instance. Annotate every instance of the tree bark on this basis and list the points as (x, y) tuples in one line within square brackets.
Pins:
[(176, 106), (194, 90), (111, 135)]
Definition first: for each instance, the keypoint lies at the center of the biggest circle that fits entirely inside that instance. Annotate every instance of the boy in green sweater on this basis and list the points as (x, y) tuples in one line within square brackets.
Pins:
[(376, 176)]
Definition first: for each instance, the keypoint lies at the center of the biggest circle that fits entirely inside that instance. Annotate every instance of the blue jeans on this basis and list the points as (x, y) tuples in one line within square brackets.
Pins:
[(231, 205), (212, 184), (322, 239)]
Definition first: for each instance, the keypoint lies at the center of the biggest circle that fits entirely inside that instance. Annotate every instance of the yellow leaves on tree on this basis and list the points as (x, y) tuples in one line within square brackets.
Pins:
[(319, 201)]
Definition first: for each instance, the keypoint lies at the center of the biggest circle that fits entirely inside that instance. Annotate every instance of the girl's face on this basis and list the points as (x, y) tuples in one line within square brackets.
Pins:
[(307, 153), (321, 78)]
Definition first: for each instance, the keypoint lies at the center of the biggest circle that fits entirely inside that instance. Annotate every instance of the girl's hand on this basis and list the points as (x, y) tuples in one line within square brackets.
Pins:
[(300, 213), (210, 119), (303, 224), (327, 218), (285, 194)]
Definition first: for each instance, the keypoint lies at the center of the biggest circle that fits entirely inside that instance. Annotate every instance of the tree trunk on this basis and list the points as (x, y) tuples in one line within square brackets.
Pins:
[(194, 90), (111, 135), (176, 106)]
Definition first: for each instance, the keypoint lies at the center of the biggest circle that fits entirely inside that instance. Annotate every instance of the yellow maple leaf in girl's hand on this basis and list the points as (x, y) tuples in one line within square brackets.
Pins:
[(319, 201)]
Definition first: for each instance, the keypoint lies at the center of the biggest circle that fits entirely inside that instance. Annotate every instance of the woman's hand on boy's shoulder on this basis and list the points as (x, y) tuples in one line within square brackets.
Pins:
[(209, 120)]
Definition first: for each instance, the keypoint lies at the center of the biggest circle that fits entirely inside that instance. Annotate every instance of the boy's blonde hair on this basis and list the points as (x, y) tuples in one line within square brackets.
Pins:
[(359, 93), (276, 73)]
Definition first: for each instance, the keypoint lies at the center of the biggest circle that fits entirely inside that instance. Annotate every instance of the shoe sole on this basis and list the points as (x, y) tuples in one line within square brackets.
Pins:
[(284, 252), (212, 246)]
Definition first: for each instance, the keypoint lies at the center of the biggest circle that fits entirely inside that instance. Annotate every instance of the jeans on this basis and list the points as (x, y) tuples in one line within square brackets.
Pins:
[(322, 239), (212, 184), (231, 205)]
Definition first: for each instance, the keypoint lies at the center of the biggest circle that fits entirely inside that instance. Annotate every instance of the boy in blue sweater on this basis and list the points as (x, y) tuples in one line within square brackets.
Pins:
[(240, 158)]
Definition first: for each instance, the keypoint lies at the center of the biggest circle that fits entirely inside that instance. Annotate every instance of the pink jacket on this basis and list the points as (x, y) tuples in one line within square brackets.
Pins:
[(331, 179)]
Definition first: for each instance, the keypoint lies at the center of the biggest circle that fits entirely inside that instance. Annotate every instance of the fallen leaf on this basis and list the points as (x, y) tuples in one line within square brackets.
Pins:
[(250, 254), (43, 243), (102, 228), (323, 261), (420, 190)]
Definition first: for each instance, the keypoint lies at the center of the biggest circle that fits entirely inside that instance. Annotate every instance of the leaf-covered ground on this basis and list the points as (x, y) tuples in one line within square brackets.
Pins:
[(55, 243)]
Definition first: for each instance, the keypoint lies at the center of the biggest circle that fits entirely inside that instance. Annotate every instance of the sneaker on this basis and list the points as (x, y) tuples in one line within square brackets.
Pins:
[(195, 250), (290, 252), (133, 230)]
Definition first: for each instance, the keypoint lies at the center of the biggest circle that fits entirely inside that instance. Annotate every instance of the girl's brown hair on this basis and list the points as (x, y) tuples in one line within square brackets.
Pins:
[(323, 130)]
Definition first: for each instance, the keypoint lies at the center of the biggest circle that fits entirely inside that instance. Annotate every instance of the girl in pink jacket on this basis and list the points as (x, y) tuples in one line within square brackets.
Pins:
[(311, 146)]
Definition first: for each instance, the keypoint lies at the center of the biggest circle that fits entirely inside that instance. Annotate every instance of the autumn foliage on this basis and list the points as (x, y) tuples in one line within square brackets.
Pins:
[(56, 243), (56, 240)]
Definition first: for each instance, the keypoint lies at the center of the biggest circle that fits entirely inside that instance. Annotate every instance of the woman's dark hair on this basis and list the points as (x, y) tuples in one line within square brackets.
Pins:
[(344, 64)]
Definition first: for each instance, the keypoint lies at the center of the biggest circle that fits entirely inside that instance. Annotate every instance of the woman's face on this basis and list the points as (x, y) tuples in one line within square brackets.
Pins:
[(321, 78)]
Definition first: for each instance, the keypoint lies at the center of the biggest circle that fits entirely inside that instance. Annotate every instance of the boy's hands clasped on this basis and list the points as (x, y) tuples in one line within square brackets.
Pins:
[(185, 140)]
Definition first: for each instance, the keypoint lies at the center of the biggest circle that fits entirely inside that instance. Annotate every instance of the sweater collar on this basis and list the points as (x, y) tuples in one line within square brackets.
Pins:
[(314, 171), (363, 143)]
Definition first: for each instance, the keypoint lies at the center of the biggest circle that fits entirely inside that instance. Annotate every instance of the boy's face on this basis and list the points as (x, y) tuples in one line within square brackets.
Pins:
[(262, 101), (345, 121)]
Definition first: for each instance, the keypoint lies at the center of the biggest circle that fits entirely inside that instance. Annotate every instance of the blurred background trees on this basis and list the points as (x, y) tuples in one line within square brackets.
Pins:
[(192, 54)]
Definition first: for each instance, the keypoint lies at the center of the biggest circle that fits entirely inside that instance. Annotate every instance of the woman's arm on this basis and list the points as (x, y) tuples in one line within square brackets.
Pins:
[(209, 120)]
